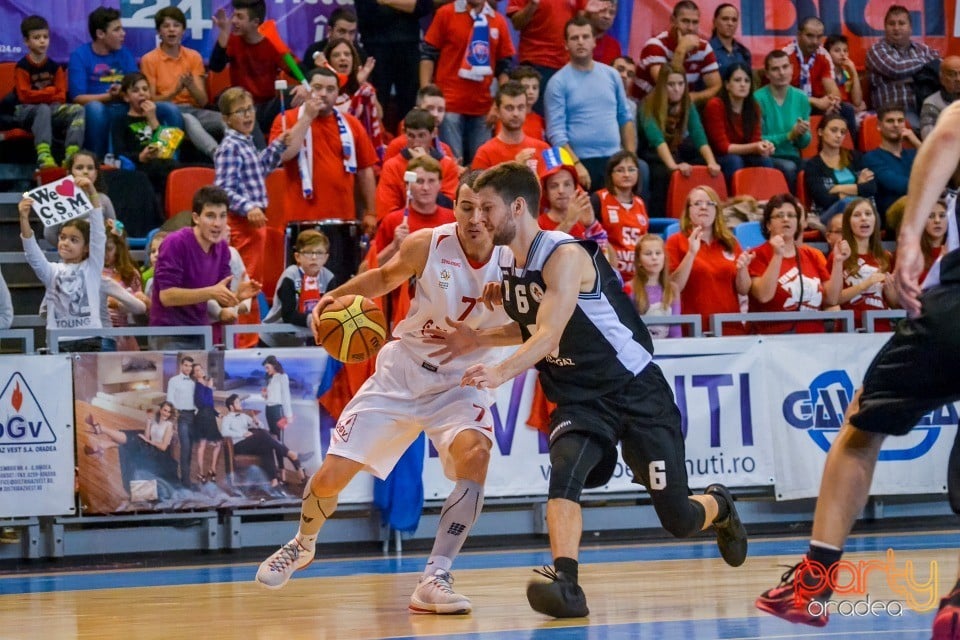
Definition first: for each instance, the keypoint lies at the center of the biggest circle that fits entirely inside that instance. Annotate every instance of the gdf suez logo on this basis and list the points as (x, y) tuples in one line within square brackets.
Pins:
[(22, 420), (819, 410)]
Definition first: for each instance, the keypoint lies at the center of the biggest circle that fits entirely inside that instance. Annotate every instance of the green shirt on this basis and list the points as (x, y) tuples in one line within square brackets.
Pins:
[(779, 119)]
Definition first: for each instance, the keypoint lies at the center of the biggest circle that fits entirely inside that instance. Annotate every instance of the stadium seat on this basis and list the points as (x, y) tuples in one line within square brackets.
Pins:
[(681, 186), (748, 234), (802, 194), (217, 81), (182, 184), (672, 229), (660, 225), (760, 182)]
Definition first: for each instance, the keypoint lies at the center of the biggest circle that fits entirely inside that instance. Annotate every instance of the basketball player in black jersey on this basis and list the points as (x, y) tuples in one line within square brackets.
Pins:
[(912, 374), (594, 357)]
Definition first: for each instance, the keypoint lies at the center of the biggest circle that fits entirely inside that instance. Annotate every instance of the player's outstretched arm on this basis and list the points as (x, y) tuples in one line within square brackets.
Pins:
[(568, 264), (459, 339), (406, 263)]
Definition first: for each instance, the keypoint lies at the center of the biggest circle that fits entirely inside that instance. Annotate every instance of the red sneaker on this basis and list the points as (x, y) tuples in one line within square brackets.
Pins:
[(784, 601), (946, 626)]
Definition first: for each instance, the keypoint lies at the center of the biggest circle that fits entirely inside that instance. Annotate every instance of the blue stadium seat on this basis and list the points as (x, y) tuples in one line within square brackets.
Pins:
[(672, 229), (749, 235)]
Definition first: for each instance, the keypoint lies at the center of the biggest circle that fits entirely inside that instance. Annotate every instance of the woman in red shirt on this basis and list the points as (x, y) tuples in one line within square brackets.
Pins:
[(706, 261), (867, 280), (788, 276), (620, 210)]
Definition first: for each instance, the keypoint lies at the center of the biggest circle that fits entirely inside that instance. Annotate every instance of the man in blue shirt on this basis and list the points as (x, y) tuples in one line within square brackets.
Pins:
[(891, 162), (587, 109), (94, 76)]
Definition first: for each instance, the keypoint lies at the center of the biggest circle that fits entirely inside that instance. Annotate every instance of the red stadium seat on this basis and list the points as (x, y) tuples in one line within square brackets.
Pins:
[(182, 184), (681, 186), (760, 182)]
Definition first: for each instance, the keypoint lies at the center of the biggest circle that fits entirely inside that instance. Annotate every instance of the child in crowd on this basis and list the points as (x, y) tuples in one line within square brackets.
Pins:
[(300, 288), (429, 98), (867, 281), (73, 284), (564, 205), (153, 251), (175, 73), (41, 91), (83, 164), (653, 291), (118, 265), (534, 126), (845, 72)]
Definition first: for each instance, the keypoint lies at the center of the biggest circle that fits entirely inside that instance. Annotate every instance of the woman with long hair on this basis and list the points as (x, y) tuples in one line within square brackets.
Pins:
[(620, 210), (732, 121), (787, 275), (674, 134), (357, 96), (276, 397), (867, 281), (706, 262), (836, 174)]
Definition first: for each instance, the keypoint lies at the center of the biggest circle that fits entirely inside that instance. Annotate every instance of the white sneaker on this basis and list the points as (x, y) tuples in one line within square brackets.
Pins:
[(435, 594), (275, 571)]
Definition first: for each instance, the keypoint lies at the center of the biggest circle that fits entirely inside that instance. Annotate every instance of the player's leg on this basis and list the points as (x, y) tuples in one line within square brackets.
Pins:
[(653, 449), (890, 403), (946, 625), (574, 457), (319, 503), (469, 452)]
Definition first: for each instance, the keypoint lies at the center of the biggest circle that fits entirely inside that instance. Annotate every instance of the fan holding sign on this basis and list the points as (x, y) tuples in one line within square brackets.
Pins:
[(73, 285)]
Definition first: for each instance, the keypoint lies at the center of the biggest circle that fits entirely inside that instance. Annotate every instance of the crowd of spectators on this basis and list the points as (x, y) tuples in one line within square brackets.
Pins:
[(604, 133)]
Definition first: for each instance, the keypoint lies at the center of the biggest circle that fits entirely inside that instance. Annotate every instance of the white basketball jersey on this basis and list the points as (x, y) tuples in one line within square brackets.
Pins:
[(451, 287)]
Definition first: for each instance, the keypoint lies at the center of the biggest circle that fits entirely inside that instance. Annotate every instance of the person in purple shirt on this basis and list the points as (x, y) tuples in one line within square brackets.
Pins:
[(194, 267), (94, 74)]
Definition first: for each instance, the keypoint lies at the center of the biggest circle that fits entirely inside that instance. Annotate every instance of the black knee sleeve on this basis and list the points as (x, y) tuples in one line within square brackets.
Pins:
[(682, 518), (572, 457)]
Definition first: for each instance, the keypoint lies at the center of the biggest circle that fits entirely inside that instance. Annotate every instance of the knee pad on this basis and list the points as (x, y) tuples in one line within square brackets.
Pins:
[(682, 520), (572, 457)]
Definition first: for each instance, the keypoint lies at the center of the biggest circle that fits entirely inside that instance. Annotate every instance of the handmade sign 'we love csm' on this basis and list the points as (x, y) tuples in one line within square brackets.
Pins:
[(59, 201)]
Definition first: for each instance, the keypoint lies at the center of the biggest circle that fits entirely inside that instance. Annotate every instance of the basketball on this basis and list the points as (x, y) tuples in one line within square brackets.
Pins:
[(352, 329)]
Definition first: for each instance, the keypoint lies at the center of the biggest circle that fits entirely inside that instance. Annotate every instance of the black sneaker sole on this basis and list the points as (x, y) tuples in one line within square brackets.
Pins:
[(546, 598), (731, 534)]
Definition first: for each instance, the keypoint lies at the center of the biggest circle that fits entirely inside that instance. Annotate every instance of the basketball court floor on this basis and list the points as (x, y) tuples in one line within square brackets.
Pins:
[(672, 591)]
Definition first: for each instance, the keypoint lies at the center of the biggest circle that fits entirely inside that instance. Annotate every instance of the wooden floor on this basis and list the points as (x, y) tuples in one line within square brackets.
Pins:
[(638, 591)]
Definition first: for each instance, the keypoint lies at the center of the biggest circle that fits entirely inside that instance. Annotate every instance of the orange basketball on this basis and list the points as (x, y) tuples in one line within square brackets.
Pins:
[(352, 329)]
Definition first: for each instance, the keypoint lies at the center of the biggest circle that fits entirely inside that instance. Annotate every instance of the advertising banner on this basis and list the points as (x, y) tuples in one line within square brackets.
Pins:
[(36, 437)]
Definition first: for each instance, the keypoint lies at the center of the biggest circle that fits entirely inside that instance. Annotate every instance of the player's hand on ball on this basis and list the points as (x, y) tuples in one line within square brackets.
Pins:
[(460, 340), (322, 304)]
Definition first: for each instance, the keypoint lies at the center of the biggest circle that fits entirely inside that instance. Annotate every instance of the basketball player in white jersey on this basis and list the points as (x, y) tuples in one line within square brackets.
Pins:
[(914, 373), (411, 392)]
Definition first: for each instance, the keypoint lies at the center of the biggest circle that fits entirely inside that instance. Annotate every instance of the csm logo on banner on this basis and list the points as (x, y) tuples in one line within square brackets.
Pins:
[(22, 421), (819, 410)]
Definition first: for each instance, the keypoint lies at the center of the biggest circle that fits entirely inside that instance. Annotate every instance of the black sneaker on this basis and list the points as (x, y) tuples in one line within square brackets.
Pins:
[(953, 474), (559, 598), (731, 536)]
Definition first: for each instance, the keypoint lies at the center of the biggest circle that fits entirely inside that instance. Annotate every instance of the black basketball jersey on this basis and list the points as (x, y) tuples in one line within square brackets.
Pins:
[(604, 345)]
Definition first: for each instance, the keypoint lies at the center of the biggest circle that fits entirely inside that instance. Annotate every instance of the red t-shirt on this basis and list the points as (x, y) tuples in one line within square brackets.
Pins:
[(624, 226), (333, 187), (547, 224), (399, 143), (534, 126), (787, 297), (253, 67), (415, 220), (542, 41), (494, 151), (712, 285), (392, 190), (450, 32), (608, 49), (872, 298), (820, 68)]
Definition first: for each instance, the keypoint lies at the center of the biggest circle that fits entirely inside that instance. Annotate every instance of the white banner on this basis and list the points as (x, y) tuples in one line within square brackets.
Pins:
[(56, 202), (36, 437), (719, 395), (811, 381)]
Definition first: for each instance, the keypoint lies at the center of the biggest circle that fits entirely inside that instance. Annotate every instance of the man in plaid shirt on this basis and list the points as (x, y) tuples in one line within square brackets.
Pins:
[(894, 61), (241, 171)]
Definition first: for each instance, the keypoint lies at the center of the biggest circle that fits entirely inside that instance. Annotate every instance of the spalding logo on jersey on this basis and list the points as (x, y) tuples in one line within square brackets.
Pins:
[(536, 292)]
